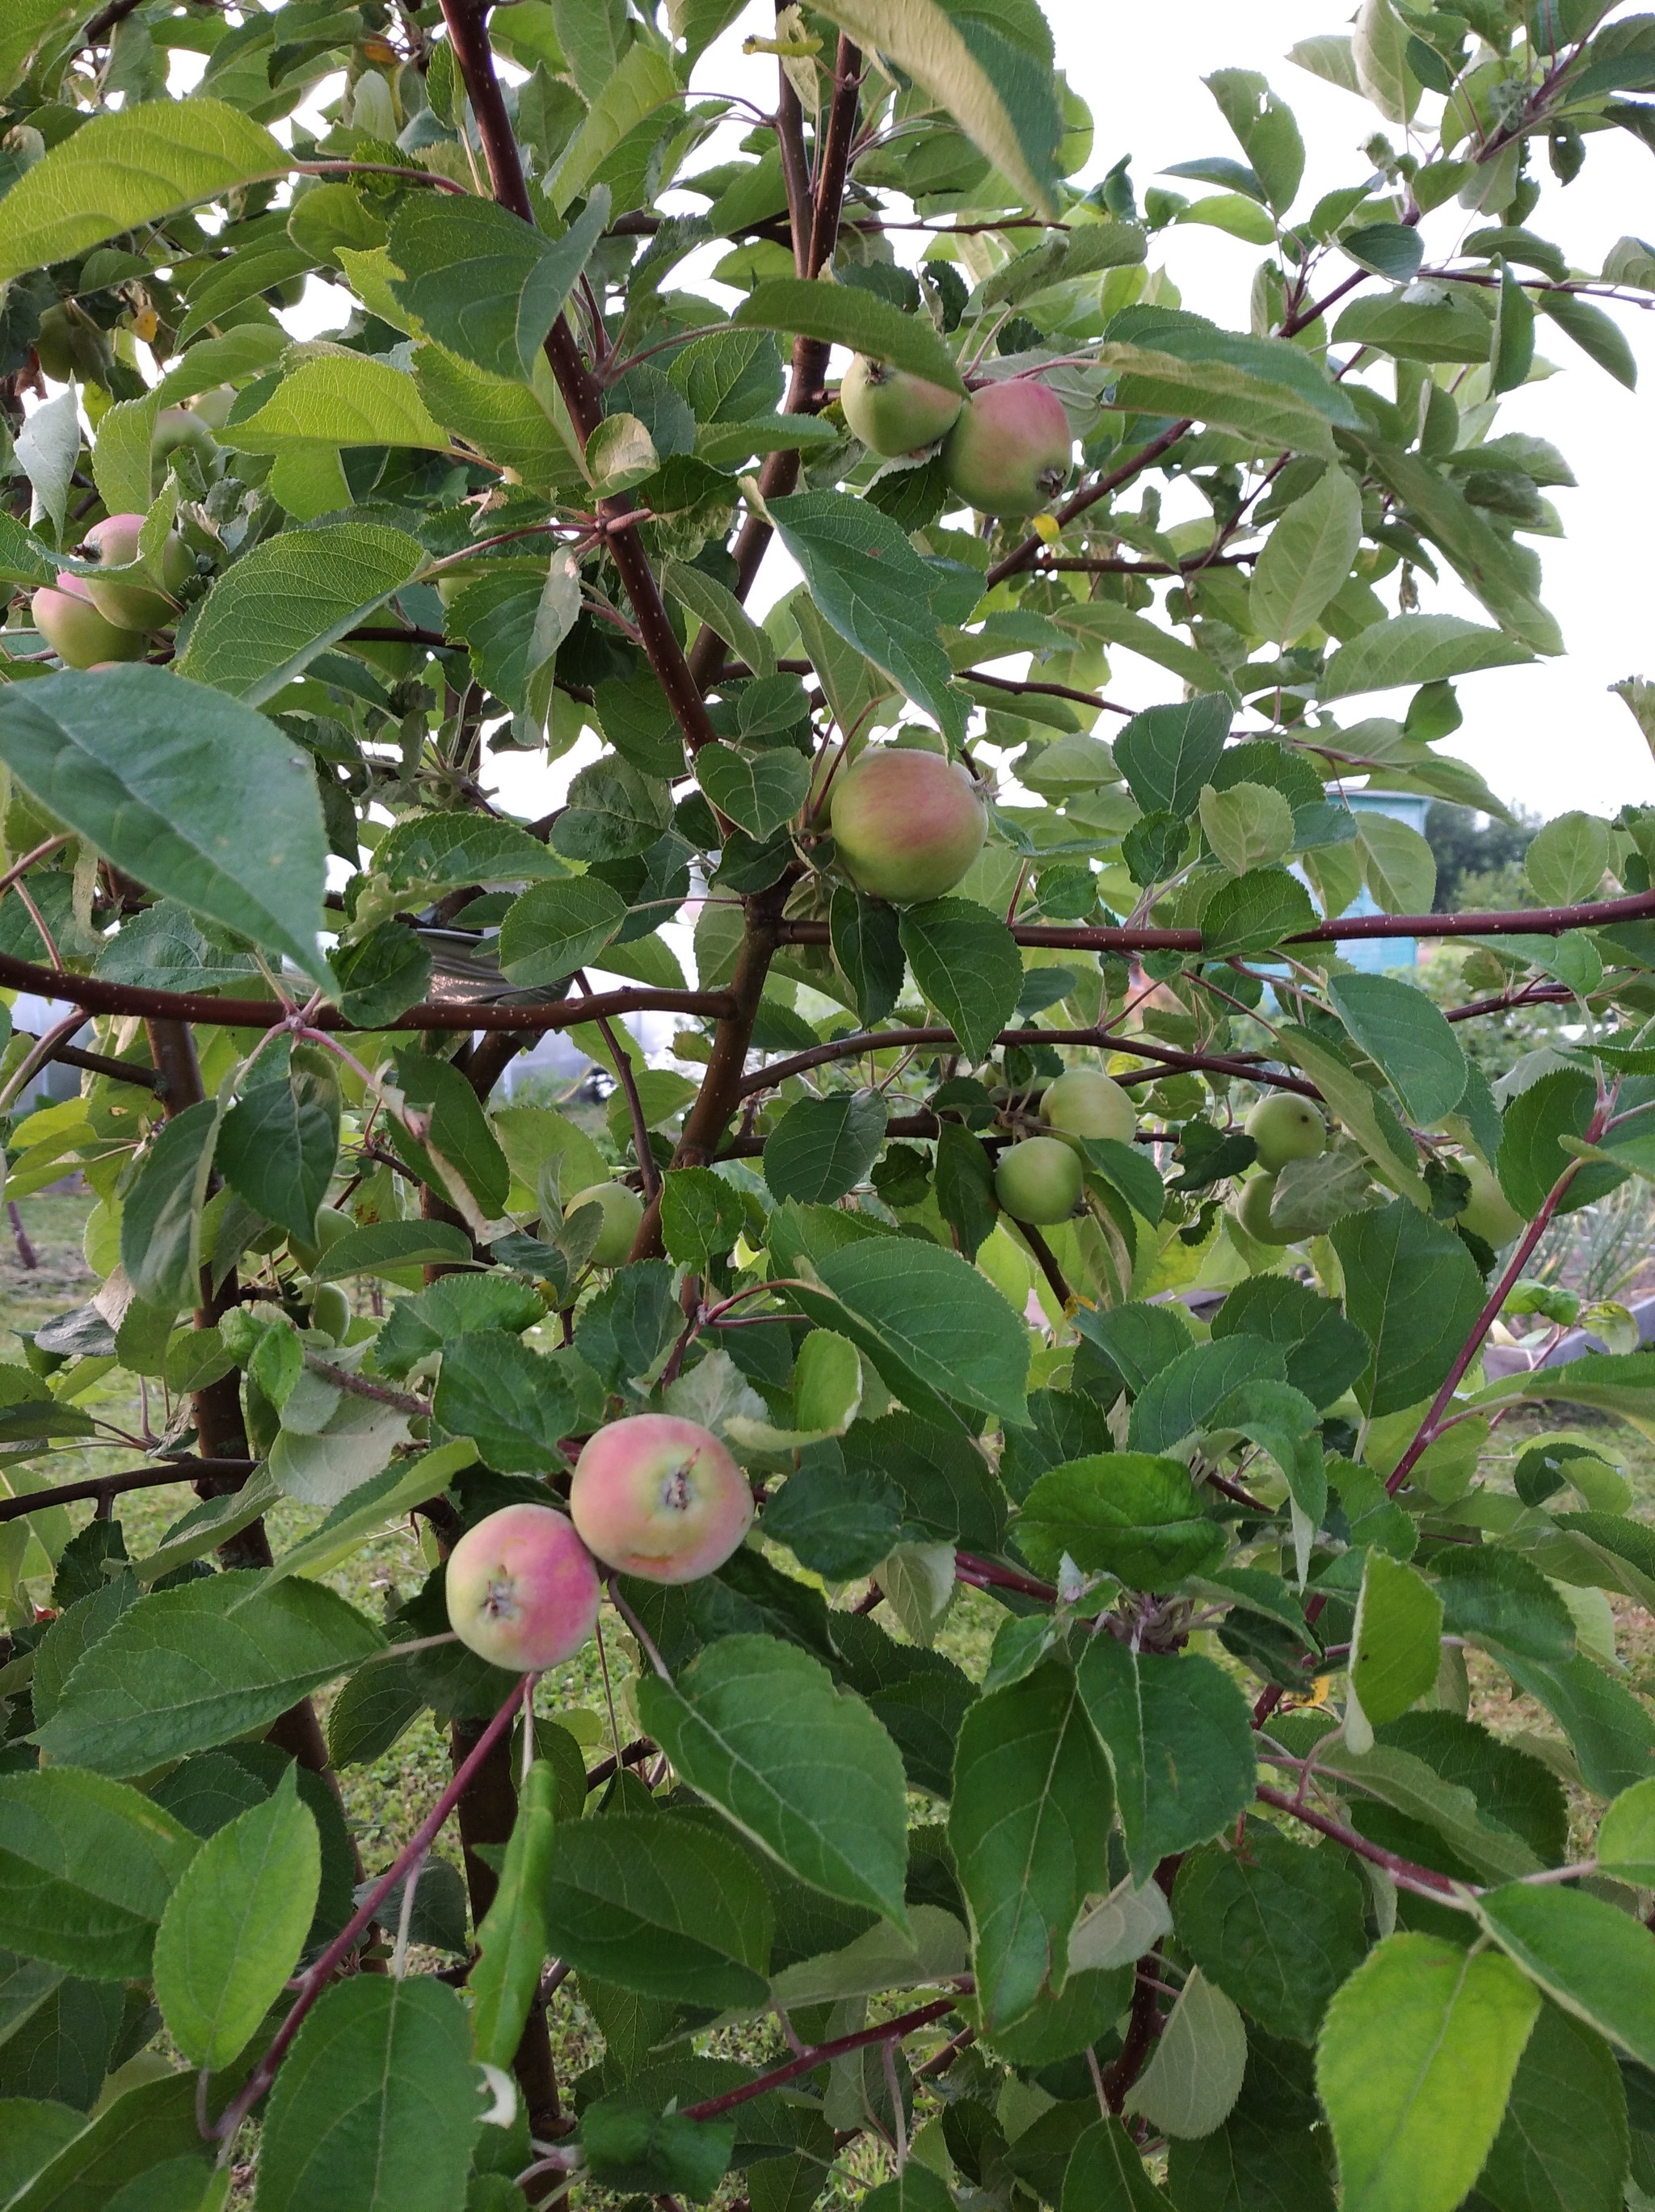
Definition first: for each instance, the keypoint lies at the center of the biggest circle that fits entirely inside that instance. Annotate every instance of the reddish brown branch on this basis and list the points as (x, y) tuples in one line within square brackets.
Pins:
[(230, 1474), (889, 2031)]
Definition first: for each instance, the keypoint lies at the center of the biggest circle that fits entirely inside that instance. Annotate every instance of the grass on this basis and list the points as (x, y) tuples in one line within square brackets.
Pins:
[(385, 1799)]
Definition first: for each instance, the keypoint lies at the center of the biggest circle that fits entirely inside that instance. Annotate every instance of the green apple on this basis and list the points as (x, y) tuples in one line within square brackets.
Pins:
[(330, 1311), (622, 1210), (1286, 1127), (1039, 1180), (1084, 1102), (892, 412), (1252, 1209)]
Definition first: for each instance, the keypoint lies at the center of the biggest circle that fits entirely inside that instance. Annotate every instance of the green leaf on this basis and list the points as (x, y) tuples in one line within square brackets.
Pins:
[(1168, 754), (457, 1133), (151, 2125), (1562, 2146), (127, 170), (800, 1767), (1610, 1730), (1254, 912), (514, 624), (716, 605), (269, 616), (338, 399), (1594, 332), (511, 1939), (757, 791), (1266, 413), (1120, 1513), (1324, 1352), (1413, 1291), (1179, 1737), (277, 1146), (999, 96), (944, 1322), (1194, 2072), (967, 964), (375, 1506), (642, 85), (1626, 1836), (870, 586), (1441, 329), (138, 763), (844, 314), (1248, 826), (666, 1906), (631, 2148), (1184, 1396), (1105, 2174), (386, 1248), (555, 928), (613, 813), (868, 953), (1484, 559), (1417, 649), (188, 1667), (234, 1927), (1596, 1962), (1027, 1828), (161, 1221), (381, 975), (1379, 55), (1307, 558), (376, 2106), (822, 1148), (86, 1868), (1277, 1927), (702, 1216), (483, 282), (1416, 1789), (512, 1402), (1395, 1644), (1567, 858), (1398, 1027), (1415, 2063)]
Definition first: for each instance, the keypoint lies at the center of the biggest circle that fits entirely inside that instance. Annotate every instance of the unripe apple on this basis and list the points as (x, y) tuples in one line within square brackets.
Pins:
[(1285, 1126), (114, 541), (522, 1590), (1008, 452), (907, 824), (330, 1225), (1253, 1211), (622, 1210), (1487, 1212), (660, 1498), (892, 412), (1086, 1103), (330, 1311), (76, 632), (176, 427), (1039, 1180)]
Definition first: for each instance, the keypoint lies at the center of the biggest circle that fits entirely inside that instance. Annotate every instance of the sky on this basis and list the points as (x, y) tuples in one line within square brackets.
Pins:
[(1548, 737)]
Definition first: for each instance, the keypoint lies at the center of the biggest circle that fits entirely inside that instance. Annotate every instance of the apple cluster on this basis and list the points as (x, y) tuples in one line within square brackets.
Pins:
[(1042, 1180), (90, 621), (1005, 447), (651, 1496)]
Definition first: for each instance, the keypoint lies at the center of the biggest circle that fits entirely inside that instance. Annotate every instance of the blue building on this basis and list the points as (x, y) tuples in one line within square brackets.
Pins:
[(1372, 953)]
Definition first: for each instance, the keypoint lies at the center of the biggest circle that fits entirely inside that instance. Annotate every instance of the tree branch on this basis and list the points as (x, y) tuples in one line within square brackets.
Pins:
[(582, 395), (889, 2031), (230, 1474), (1088, 495)]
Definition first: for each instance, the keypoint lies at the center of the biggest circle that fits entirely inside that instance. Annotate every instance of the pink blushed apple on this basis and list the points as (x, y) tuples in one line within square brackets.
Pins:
[(114, 541), (907, 824), (522, 1590), (1008, 452), (76, 632), (660, 1498)]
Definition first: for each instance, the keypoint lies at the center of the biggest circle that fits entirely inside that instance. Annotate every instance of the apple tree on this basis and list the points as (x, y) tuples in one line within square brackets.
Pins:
[(1119, 1698)]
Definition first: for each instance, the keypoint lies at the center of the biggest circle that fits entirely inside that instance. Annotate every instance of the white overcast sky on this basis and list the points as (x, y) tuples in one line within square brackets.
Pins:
[(1549, 737)]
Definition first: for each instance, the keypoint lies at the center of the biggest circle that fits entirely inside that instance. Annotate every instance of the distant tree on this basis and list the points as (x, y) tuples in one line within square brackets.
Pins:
[(1479, 858)]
